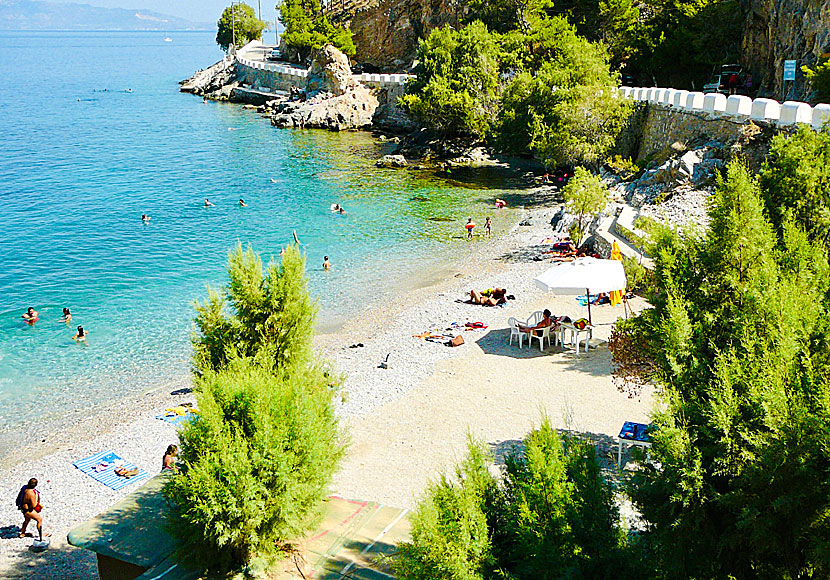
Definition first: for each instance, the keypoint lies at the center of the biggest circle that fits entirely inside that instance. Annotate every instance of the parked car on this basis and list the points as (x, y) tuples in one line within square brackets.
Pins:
[(275, 54), (724, 83)]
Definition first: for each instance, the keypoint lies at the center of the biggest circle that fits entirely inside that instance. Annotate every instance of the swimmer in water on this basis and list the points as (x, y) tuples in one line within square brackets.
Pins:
[(67, 316), (145, 218), (326, 263), (335, 207), (204, 100), (273, 180), (80, 336), (207, 203), (30, 315), (342, 210), (242, 203)]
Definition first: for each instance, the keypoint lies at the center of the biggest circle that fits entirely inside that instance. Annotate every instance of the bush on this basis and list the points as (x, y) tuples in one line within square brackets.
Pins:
[(623, 167), (238, 20), (585, 196), (456, 88), (306, 29), (819, 79), (258, 459), (638, 276), (552, 516)]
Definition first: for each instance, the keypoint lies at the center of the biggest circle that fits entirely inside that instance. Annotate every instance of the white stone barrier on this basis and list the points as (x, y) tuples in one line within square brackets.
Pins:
[(714, 102), (652, 94), (679, 98), (739, 105), (694, 101), (793, 112), (821, 113), (668, 97), (641, 94), (765, 110)]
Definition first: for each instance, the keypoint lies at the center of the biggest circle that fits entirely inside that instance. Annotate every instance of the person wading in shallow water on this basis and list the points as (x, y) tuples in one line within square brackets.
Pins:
[(28, 502)]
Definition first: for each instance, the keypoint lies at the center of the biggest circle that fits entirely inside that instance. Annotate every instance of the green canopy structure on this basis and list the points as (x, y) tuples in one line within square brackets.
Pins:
[(353, 541)]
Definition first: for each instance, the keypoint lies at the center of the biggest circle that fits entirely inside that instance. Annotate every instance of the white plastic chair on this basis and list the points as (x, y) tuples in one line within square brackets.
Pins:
[(514, 331), (543, 333)]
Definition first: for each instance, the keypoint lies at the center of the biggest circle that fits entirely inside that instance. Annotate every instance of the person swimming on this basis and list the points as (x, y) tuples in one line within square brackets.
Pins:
[(336, 207), (242, 203), (67, 316), (145, 218), (31, 315), (208, 203), (326, 263), (81, 335)]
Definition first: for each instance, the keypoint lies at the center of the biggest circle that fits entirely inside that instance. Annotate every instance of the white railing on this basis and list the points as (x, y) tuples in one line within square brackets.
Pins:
[(289, 71), (738, 107)]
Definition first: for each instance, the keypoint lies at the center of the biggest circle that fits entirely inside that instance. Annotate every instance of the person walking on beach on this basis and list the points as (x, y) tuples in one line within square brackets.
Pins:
[(470, 225), (28, 502), (487, 225), (326, 263)]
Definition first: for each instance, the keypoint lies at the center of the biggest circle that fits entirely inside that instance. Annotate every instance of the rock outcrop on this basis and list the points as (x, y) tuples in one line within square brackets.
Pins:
[(386, 33), (332, 99), (779, 30), (217, 81)]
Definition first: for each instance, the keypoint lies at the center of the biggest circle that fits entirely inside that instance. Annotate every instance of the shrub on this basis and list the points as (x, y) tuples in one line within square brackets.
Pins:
[(258, 459), (585, 196), (819, 79), (306, 29)]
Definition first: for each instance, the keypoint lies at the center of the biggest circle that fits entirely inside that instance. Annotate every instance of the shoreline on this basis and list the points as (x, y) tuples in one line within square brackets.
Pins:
[(368, 392)]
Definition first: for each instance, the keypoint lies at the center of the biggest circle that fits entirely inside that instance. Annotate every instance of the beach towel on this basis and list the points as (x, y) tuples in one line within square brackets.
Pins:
[(178, 416), (94, 467)]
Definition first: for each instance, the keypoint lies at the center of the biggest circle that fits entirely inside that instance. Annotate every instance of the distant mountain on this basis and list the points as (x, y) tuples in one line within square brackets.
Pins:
[(33, 15)]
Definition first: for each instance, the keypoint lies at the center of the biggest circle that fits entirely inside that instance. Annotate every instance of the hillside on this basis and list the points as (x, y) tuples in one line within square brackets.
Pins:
[(32, 15)]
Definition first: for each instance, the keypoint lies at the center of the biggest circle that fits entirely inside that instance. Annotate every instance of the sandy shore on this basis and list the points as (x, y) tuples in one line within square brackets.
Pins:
[(406, 422)]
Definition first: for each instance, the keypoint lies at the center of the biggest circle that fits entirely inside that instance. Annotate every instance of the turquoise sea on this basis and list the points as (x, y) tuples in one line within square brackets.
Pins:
[(95, 133)]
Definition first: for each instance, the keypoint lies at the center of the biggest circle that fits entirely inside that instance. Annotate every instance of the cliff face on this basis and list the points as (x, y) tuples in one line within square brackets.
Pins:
[(779, 30), (386, 33)]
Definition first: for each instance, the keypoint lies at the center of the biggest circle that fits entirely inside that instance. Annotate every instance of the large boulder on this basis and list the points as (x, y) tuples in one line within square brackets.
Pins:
[(330, 72), (352, 110)]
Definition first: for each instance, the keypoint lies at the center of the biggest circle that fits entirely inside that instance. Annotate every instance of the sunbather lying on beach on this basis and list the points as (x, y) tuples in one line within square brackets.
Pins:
[(492, 297)]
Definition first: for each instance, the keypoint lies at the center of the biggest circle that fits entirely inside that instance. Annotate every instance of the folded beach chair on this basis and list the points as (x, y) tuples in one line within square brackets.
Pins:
[(101, 468)]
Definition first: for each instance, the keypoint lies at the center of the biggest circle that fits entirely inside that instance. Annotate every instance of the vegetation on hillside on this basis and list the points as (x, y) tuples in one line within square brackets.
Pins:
[(308, 29), (239, 22), (258, 460)]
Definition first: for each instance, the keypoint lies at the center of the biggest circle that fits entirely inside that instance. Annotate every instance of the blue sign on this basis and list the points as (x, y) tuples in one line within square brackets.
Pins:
[(789, 70)]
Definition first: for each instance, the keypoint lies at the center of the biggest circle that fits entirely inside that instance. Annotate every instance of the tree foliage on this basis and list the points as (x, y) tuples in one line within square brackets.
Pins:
[(585, 196), (238, 21), (307, 29), (552, 516), (737, 341), (456, 89), (819, 79), (258, 459)]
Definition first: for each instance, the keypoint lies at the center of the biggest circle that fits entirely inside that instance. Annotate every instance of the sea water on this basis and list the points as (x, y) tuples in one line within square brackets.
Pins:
[(94, 134)]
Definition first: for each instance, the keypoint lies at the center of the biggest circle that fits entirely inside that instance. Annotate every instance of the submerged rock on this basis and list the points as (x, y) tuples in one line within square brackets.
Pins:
[(392, 161)]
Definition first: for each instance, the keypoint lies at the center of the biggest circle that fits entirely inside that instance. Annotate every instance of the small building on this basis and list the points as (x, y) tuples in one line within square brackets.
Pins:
[(132, 543)]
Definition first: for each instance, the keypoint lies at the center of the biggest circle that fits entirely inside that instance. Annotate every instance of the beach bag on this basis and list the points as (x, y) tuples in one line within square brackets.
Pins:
[(457, 341), (581, 324)]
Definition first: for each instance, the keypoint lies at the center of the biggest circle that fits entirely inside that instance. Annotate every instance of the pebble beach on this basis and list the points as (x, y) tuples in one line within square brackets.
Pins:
[(406, 423)]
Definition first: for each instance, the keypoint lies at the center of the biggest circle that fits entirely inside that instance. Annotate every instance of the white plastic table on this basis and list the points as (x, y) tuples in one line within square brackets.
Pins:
[(588, 331), (639, 438)]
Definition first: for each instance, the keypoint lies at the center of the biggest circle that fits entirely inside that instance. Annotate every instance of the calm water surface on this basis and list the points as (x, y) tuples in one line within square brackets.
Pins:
[(95, 133)]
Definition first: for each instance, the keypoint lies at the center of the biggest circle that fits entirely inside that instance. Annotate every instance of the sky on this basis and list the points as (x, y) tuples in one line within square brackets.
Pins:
[(194, 10)]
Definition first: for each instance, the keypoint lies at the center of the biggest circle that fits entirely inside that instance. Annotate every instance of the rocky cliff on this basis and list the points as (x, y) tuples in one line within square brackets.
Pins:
[(779, 30), (386, 32)]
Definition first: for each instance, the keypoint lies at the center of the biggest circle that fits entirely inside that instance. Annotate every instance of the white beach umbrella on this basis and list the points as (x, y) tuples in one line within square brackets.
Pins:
[(588, 275)]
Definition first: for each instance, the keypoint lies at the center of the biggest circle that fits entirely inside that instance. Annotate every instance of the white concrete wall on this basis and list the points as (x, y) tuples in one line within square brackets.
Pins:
[(295, 74), (769, 110)]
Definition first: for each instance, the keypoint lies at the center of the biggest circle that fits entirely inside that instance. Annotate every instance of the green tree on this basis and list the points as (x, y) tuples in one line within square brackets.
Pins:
[(796, 181), (565, 107), (819, 78), (258, 459), (307, 29), (738, 337), (456, 89), (506, 15), (551, 515), (239, 22), (585, 196)]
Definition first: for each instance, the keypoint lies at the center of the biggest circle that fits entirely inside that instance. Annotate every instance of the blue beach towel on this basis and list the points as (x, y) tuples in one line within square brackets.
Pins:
[(107, 476), (176, 419)]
